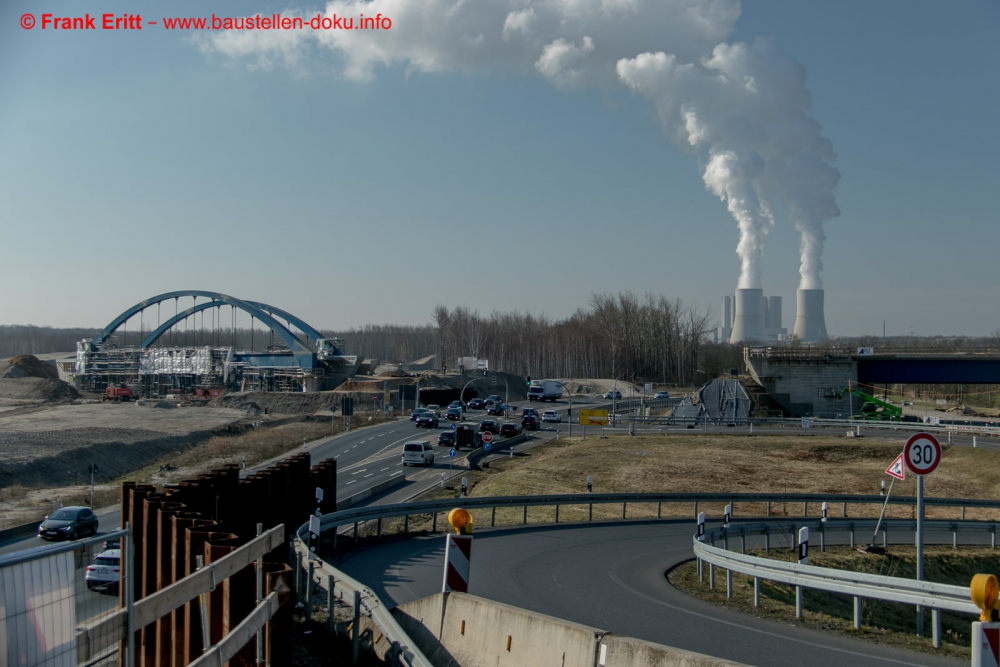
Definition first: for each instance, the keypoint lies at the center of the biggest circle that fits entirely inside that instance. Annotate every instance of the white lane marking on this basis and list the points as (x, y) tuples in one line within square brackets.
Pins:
[(354, 447), (382, 435), (398, 472), (362, 470), (383, 469), (351, 482), (618, 581), (369, 475)]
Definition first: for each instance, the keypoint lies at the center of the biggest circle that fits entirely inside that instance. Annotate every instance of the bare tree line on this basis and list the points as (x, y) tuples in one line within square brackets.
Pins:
[(619, 335), (16, 339)]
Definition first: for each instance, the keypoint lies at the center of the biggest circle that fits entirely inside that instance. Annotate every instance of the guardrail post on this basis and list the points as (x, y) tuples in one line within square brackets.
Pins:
[(355, 629), (378, 530), (623, 510), (857, 613), (798, 602), (954, 536), (845, 509), (767, 540), (725, 539), (936, 627), (729, 583), (355, 533), (557, 512), (434, 523), (309, 593), (963, 513), (659, 507), (696, 508), (743, 541), (524, 519), (711, 576), (493, 517), (406, 524), (993, 536), (330, 603), (822, 537), (885, 535), (701, 570), (852, 535), (805, 509), (769, 508), (756, 591)]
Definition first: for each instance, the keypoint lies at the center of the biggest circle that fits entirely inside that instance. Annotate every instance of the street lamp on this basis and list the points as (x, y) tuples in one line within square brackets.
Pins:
[(416, 404)]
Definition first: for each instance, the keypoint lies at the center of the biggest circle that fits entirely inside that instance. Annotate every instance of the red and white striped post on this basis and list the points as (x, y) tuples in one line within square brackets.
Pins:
[(458, 552)]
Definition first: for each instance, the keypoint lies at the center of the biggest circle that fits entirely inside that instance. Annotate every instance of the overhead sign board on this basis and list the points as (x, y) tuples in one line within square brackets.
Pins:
[(594, 417), (866, 351), (922, 453), (896, 469)]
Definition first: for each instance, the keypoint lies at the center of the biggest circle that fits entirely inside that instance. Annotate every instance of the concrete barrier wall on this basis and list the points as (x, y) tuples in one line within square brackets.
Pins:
[(456, 629), (630, 652), (19, 531)]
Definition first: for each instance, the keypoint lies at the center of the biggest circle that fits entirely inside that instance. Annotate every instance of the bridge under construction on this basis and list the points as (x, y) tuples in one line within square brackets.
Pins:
[(297, 357)]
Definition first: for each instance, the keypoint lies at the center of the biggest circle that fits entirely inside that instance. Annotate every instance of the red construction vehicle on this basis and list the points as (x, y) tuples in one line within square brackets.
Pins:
[(119, 393)]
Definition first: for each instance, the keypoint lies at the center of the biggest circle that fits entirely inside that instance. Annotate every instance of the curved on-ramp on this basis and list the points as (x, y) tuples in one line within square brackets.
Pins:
[(611, 576)]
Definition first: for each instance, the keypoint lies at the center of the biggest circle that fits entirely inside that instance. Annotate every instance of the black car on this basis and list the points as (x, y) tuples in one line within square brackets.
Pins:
[(447, 438), (489, 425), (68, 523), (454, 414), (529, 412), (477, 404), (497, 409), (509, 430), (416, 413), (530, 422), (428, 419)]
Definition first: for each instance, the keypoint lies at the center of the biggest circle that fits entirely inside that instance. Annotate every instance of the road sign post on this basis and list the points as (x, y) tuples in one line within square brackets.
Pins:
[(922, 455)]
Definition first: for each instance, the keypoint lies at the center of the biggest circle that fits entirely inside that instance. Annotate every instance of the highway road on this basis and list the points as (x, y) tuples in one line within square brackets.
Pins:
[(365, 457), (611, 576)]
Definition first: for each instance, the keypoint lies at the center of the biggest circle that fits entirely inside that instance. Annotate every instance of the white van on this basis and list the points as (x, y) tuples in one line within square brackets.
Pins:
[(418, 452)]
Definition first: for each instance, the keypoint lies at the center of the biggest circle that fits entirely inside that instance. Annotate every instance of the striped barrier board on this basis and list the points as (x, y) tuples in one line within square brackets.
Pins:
[(457, 559)]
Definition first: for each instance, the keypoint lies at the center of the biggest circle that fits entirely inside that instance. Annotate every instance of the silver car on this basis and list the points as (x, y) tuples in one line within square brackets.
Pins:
[(105, 573)]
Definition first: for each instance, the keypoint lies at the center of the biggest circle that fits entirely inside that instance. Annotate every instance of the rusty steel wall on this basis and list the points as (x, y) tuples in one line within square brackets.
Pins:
[(210, 516)]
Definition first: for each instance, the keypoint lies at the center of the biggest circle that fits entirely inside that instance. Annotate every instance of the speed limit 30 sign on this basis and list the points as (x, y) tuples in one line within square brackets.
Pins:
[(922, 453)]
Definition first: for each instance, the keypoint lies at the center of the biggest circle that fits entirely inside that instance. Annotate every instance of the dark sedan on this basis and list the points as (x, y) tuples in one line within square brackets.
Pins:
[(447, 438), (509, 430), (68, 523), (454, 414), (530, 422), (497, 409), (490, 425), (428, 419), (477, 404)]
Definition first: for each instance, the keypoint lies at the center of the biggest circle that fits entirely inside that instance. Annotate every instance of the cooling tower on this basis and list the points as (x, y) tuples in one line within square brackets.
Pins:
[(748, 321), (810, 324)]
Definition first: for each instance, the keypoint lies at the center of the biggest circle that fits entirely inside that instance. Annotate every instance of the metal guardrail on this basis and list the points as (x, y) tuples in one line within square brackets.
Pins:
[(923, 594), (362, 514), (364, 600), (814, 422)]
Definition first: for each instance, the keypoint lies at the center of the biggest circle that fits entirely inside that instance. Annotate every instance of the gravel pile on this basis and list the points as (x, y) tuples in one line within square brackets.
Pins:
[(27, 366), (36, 388)]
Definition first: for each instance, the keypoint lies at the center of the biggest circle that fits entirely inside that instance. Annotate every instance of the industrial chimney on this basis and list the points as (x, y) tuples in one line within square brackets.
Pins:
[(810, 323), (748, 321)]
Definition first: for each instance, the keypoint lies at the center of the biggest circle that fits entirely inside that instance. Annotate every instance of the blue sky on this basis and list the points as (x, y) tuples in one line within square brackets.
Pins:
[(138, 163)]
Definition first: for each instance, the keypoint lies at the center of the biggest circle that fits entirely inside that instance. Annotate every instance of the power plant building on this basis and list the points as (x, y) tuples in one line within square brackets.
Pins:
[(748, 315)]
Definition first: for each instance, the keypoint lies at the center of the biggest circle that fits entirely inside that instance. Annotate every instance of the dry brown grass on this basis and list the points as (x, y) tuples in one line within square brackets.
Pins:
[(717, 463)]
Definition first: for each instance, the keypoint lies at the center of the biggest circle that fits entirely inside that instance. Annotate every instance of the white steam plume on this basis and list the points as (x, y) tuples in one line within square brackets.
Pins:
[(741, 108)]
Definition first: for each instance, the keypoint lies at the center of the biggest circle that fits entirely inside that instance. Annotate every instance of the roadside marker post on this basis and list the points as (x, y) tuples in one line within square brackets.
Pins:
[(701, 525), (803, 546), (590, 484), (984, 590), (729, 514), (458, 552), (824, 512), (465, 486)]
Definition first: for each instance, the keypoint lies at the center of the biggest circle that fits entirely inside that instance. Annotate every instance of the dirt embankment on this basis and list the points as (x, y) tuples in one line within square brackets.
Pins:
[(27, 366), (27, 378)]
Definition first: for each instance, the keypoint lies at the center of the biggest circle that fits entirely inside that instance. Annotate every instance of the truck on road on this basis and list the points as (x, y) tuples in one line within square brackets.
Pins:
[(544, 390)]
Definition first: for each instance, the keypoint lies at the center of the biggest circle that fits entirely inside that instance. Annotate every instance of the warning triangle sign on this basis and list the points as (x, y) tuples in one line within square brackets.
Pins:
[(897, 469)]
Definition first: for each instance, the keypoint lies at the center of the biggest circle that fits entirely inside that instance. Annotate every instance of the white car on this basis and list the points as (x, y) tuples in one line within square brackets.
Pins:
[(105, 573), (551, 416), (418, 452), (613, 394)]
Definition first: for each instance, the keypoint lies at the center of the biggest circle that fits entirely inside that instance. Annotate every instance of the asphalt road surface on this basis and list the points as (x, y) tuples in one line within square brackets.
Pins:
[(612, 577)]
